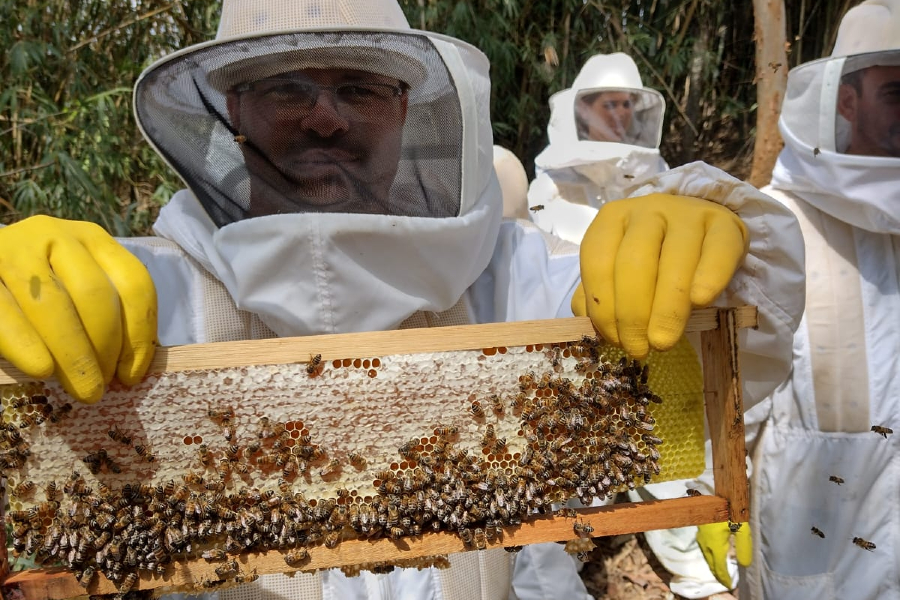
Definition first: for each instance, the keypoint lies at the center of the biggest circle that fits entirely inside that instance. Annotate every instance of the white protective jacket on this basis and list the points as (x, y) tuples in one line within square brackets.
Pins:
[(525, 279), (817, 462)]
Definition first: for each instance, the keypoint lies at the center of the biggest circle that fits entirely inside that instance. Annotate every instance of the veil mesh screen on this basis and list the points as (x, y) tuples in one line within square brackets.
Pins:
[(362, 122)]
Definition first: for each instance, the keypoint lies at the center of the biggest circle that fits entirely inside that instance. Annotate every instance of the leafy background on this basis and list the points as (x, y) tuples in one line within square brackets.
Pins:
[(69, 146)]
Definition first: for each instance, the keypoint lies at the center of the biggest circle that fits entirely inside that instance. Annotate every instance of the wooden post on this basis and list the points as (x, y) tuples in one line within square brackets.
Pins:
[(725, 413)]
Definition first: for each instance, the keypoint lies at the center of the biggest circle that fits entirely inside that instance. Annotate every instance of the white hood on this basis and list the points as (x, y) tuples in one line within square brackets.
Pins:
[(860, 190), (313, 273)]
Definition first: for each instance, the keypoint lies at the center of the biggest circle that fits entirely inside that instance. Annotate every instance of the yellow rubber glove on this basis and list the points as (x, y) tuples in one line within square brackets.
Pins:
[(647, 262), (714, 541), (75, 303)]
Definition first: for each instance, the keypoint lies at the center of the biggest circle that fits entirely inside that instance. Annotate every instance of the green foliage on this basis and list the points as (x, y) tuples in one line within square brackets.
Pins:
[(68, 142), (69, 145)]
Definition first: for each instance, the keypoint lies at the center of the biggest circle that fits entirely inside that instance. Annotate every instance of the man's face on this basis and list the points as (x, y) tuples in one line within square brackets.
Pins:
[(609, 116), (873, 111), (320, 140)]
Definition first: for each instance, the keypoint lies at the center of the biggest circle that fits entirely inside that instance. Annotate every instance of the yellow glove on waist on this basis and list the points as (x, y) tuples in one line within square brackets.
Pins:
[(74, 302), (714, 539), (647, 262)]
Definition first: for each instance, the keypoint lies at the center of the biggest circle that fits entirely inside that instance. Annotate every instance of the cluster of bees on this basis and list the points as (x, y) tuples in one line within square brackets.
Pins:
[(582, 439), (857, 541)]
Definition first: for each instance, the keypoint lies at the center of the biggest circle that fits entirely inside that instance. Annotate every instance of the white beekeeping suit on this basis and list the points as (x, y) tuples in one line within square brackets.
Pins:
[(817, 461), (582, 166), (238, 256)]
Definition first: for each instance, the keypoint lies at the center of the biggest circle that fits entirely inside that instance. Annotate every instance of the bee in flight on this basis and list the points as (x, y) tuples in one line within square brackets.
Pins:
[(882, 431), (864, 544), (818, 532), (836, 479), (536, 207)]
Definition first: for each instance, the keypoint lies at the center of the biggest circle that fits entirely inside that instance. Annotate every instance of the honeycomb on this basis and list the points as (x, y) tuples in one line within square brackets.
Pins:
[(214, 463)]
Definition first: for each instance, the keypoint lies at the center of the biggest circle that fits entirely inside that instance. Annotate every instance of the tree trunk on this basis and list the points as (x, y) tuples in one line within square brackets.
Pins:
[(771, 82)]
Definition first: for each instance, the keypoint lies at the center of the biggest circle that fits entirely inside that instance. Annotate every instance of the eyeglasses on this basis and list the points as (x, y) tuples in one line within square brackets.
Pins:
[(303, 94)]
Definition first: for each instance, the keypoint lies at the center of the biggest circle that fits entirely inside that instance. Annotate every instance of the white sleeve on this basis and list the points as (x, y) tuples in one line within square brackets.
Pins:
[(772, 277), (560, 216)]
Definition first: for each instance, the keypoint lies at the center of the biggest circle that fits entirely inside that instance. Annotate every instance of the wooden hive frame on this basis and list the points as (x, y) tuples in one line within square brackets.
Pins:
[(718, 329)]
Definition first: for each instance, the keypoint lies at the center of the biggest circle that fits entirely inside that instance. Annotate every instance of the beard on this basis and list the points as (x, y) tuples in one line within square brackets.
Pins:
[(321, 175)]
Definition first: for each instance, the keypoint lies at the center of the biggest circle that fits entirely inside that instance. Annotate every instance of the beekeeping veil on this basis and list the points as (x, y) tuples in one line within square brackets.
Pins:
[(338, 162), (586, 172), (841, 123)]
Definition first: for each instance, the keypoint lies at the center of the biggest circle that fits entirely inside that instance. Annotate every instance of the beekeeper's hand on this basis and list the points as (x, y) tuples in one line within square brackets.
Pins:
[(75, 303), (646, 262), (714, 541)]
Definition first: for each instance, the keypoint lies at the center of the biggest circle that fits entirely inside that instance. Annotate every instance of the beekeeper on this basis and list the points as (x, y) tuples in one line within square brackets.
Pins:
[(603, 135), (822, 477), (339, 179)]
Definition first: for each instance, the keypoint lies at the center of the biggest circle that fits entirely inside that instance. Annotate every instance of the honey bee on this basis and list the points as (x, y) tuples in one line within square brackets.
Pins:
[(87, 576), (864, 544), (19, 402), (518, 401), (489, 437), (882, 431), (331, 468), (385, 475), (479, 538), (332, 538), (51, 491), (128, 583), (144, 453), (227, 568), (357, 460), (296, 556), (231, 452), (192, 478), (817, 531), (222, 417), (230, 433), (734, 527), (497, 404), (536, 207), (59, 413), (214, 554), (312, 368), (26, 421), (693, 492), (476, 409), (118, 436), (203, 455), (582, 529), (836, 479), (24, 488)]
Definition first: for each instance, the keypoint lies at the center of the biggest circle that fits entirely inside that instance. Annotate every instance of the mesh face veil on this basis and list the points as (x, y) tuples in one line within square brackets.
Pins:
[(361, 122), (847, 104), (620, 115)]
